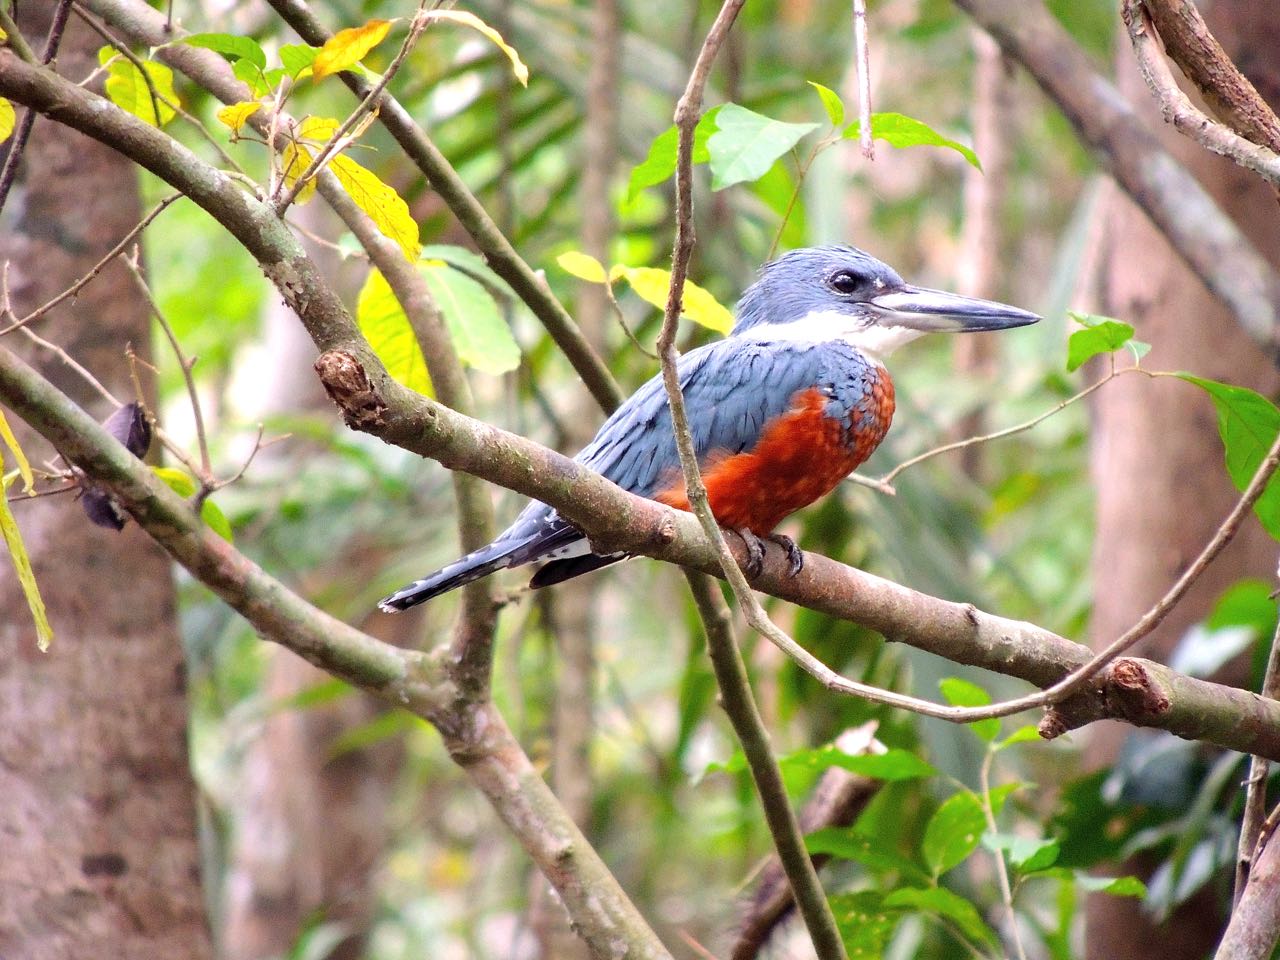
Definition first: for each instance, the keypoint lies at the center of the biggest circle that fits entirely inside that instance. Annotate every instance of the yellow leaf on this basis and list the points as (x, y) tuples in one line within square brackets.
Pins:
[(3, 36), (383, 322), (582, 266), (294, 161), (383, 205), (475, 23), (348, 47), (318, 128), (237, 114), (24, 467), (22, 563), (128, 89), (651, 285), (6, 119)]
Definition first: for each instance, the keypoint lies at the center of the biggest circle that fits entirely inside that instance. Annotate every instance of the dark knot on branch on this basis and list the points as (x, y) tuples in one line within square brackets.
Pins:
[(349, 386)]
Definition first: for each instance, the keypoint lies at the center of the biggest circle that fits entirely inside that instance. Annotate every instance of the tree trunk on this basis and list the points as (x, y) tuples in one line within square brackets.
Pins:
[(98, 817), (1157, 460)]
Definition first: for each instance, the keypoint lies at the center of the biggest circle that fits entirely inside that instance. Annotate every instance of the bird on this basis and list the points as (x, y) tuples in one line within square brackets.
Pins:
[(781, 410)]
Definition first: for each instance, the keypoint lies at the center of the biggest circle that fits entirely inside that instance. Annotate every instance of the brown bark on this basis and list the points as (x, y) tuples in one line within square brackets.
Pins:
[(1157, 460), (98, 818)]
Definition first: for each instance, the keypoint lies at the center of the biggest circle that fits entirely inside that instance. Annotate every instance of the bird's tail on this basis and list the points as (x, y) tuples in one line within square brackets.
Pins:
[(488, 559)]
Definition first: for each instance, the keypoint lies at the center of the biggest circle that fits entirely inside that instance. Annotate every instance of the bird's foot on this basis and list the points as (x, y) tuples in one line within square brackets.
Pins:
[(755, 553), (795, 556)]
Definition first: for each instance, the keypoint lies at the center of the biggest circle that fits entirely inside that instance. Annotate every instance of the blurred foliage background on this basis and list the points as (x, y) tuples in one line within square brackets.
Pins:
[(344, 519)]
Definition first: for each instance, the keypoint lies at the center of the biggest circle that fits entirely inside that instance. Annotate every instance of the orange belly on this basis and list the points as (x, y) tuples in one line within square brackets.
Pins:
[(800, 457)]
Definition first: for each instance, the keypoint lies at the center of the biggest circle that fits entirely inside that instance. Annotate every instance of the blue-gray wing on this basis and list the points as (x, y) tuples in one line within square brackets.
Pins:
[(732, 391)]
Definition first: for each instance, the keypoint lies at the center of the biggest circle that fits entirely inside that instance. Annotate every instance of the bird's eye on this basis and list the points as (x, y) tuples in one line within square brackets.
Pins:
[(844, 282)]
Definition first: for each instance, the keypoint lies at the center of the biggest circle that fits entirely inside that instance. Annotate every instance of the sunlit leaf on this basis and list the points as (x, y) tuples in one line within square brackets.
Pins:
[(252, 77), (953, 832), (476, 326), (348, 47), (179, 481), (893, 765), (746, 144), (831, 102), (943, 903), (295, 160), (1100, 335), (384, 206), (651, 285), (237, 114), (963, 693), (298, 59), (1135, 347), (1248, 423), (1116, 886), (230, 45), (470, 263), (319, 129), (899, 130), (475, 23), (1028, 854), (7, 119), (583, 266), (24, 466), (660, 163), (383, 322), (212, 514), (127, 88), (22, 564)]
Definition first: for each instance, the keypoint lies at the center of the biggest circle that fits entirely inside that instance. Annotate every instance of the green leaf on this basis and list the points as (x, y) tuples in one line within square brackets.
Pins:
[(380, 201), (941, 902), (7, 119), (179, 481), (891, 766), (1116, 886), (22, 565), (746, 144), (1024, 734), (476, 326), (251, 76), (660, 163), (849, 844), (470, 263), (963, 693), (382, 727), (832, 103), (298, 57), (953, 832), (212, 514), (1028, 854), (901, 131), (231, 46), (383, 322), (127, 88), (1248, 423), (865, 925), (1135, 347), (1101, 335)]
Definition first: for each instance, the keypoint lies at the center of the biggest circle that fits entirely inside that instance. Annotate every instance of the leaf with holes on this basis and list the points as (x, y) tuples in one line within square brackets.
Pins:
[(746, 144), (1247, 423), (348, 47), (901, 131)]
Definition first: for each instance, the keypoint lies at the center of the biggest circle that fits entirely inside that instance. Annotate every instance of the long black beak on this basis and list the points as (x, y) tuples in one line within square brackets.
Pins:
[(918, 308)]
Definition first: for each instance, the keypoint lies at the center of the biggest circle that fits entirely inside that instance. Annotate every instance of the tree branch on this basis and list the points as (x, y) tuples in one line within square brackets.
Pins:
[(1210, 243)]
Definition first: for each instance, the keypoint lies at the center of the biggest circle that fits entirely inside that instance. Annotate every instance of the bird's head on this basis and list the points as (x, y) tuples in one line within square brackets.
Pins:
[(841, 293)]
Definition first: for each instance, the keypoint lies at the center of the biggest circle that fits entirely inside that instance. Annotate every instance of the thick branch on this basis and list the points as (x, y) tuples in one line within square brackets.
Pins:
[(1255, 923), (1211, 244)]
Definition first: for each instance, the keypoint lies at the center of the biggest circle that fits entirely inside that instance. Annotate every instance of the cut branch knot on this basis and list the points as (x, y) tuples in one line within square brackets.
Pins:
[(1137, 691), (349, 386)]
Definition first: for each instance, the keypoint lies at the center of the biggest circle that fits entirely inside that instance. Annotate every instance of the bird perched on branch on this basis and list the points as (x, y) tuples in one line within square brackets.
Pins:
[(781, 411)]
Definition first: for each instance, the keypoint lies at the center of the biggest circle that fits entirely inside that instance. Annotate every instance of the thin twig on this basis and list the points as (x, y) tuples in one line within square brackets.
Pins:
[(123, 50), (97, 268), (1002, 869), (1255, 802), (185, 364), (863, 57), (338, 140), (735, 688)]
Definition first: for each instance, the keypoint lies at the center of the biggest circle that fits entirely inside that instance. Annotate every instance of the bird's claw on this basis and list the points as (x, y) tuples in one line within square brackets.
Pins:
[(755, 553), (795, 556)]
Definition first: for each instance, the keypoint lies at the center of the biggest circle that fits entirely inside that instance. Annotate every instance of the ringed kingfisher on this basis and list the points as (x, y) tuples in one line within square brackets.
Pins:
[(781, 410)]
